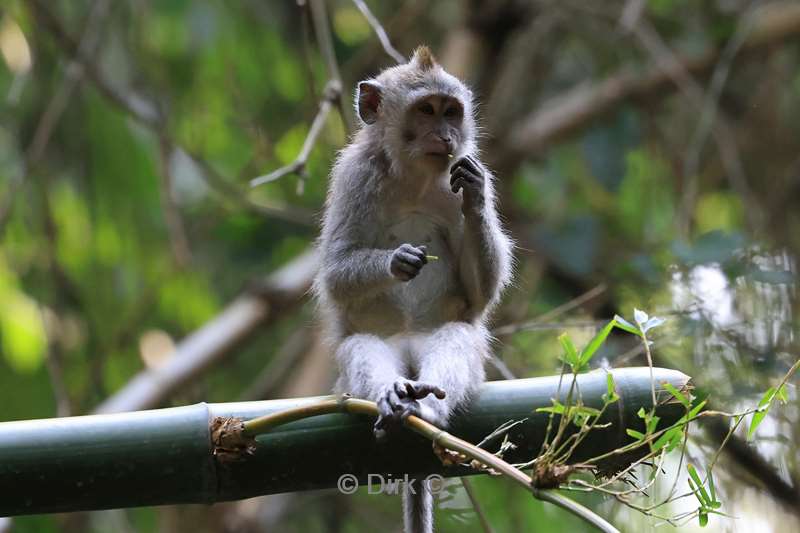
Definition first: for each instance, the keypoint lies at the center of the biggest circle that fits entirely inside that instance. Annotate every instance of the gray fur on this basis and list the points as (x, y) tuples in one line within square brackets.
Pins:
[(431, 328)]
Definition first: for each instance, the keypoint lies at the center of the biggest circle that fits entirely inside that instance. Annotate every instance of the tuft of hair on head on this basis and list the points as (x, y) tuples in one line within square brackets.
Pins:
[(423, 57)]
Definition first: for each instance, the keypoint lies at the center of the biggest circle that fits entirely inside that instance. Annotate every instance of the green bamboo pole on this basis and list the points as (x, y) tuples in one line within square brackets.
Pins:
[(166, 456)]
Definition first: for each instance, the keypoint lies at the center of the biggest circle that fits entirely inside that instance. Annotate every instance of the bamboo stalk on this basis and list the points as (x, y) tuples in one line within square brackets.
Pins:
[(166, 456)]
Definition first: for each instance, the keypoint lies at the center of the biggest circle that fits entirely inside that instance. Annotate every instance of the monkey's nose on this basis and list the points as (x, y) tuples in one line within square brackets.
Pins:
[(448, 142)]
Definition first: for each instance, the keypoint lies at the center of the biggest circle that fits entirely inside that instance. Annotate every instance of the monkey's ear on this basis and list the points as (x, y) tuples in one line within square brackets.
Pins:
[(369, 100)]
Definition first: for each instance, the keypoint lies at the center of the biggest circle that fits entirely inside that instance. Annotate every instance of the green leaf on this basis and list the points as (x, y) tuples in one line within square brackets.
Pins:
[(677, 394), (703, 519), (713, 491), (635, 434), (671, 439), (763, 409), (595, 343), (758, 417), (570, 353), (701, 493), (585, 410), (782, 395), (691, 414), (557, 408), (652, 423), (611, 395), (767, 398), (663, 439), (641, 413)]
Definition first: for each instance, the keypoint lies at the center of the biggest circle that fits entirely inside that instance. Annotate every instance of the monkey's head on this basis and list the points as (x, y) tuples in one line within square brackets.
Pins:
[(422, 114)]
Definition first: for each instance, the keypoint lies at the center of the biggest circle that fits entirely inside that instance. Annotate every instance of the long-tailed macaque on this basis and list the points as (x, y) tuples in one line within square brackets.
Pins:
[(413, 254)]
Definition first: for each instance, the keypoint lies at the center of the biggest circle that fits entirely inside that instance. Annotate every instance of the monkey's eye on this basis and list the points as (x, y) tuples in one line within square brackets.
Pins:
[(426, 108), (452, 112)]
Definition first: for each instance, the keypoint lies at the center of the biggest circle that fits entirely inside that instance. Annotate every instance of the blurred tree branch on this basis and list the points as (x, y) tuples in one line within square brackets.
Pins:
[(672, 66), (332, 95), (144, 111), (563, 116), (179, 243), (747, 458), (322, 30), (73, 73), (263, 304), (379, 31)]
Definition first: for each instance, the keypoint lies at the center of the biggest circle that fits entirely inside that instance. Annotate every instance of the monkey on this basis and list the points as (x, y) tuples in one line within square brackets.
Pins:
[(413, 254)]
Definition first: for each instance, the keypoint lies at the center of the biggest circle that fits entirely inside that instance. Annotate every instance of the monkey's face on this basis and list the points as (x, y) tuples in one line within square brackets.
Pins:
[(433, 130)]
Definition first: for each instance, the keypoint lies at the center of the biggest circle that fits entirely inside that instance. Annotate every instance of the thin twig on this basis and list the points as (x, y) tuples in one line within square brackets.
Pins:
[(332, 94), (487, 527), (258, 426), (572, 111), (52, 114), (379, 31), (649, 355), (710, 107), (537, 322), (224, 187), (144, 111), (322, 29), (179, 243), (55, 365), (671, 65), (276, 371)]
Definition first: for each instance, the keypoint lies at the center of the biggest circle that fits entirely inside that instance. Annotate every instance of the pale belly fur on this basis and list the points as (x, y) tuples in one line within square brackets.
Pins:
[(431, 299)]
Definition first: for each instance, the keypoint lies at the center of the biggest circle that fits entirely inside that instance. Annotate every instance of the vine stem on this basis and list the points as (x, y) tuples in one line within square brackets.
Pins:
[(264, 424)]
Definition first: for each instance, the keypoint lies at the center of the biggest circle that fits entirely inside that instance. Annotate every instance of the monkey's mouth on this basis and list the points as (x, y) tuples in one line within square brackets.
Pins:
[(439, 155)]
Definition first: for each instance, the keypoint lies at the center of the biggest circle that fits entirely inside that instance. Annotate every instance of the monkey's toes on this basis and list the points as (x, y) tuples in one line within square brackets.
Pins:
[(412, 408), (417, 390)]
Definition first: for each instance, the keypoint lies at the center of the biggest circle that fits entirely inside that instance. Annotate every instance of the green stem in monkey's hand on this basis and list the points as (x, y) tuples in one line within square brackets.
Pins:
[(346, 404), (432, 257)]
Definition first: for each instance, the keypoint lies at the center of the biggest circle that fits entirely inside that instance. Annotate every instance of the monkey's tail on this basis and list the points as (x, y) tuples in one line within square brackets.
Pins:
[(418, 508)]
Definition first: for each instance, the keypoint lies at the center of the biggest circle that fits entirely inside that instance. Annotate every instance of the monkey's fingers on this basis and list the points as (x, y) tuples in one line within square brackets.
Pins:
[(400, 389), (468, 163), (463, 177), (412, 408), (456, 184), (411, 259), (406, 272), (465, 174), (474, 165)]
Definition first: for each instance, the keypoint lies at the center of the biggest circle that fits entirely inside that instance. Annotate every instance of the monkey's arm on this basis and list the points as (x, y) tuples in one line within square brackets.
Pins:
[(485, 261), (351, 273), (352, 268)]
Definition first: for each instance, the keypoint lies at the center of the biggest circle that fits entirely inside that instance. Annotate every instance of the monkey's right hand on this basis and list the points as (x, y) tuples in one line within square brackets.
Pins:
[(399, 400), (407, 261)]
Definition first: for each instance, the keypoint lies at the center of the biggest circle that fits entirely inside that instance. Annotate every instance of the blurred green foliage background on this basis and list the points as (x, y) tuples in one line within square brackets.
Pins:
[(126, 220)]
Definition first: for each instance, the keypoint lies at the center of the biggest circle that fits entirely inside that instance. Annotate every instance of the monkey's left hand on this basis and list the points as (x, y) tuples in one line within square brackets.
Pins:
[(467, 174)]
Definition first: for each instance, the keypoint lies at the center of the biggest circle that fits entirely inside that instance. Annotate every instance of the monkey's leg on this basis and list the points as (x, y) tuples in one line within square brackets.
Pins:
[(372, 369), (450, 358)]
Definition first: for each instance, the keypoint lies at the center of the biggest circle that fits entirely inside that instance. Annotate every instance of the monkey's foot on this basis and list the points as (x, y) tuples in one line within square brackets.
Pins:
[(401, 400)]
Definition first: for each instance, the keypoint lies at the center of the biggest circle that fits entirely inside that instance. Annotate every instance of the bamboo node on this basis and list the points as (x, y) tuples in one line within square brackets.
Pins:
[(229, 441)]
